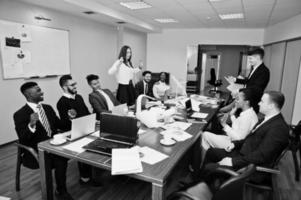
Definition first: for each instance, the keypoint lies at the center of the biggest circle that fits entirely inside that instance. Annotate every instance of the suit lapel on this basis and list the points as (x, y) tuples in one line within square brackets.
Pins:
[(29, 111), (102, 99), (265, 124)]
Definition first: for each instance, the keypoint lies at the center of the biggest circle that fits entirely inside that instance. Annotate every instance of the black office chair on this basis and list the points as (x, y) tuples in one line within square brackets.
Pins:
[(232, 188), (266, 187), (295, 145), (20, 154), (214, 82)]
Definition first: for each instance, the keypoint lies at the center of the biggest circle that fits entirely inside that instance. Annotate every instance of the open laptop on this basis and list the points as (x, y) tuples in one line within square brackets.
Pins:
[(81, 127), (116, 131)]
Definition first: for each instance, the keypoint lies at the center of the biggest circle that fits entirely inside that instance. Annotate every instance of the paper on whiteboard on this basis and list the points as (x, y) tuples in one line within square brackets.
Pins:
[(27, 57), (11, 63), (25, 33)]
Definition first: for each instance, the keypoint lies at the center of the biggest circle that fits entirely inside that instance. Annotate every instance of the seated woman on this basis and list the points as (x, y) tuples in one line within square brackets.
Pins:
[(241, 125), (161, 88)]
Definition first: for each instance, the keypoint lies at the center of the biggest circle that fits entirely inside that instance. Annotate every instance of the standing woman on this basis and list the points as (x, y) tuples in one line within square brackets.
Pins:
[(124, 71)]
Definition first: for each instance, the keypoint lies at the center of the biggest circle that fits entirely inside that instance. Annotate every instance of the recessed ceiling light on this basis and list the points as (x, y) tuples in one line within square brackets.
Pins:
[(215, 0), (89, 12), (232, 16), (135, 5), (166, 20)]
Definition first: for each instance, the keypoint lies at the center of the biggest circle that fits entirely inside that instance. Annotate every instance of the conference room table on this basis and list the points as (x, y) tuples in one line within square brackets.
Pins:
[(156, 174)]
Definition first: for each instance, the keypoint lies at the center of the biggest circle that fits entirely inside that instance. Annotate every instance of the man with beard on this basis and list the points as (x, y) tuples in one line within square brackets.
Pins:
[(70, 106)]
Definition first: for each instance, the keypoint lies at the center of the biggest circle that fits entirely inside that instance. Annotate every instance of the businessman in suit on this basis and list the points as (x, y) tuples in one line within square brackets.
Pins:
[(101, 100), (264, 144), (34, 123), (145, 86)]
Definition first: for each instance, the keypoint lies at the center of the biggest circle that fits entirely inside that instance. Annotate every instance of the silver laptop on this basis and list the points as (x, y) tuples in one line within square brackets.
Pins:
[(81, 127)]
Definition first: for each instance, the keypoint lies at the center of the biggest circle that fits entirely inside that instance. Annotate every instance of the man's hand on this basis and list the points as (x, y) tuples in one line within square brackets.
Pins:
[(230, 147), (34, 117), (72, 113), (226, 162)]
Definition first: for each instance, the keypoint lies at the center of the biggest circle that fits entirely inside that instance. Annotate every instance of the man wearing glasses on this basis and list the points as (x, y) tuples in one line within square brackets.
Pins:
[(71, 105)]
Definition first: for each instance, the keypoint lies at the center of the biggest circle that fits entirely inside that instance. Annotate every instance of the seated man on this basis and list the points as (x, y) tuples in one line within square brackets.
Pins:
[(145, 86), (70, 106), (36, 122), (241, 125), (101, 100), (265, 142)]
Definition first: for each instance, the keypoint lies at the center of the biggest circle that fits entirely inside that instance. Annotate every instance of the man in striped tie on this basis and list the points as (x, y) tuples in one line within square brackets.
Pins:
[(34, 123)]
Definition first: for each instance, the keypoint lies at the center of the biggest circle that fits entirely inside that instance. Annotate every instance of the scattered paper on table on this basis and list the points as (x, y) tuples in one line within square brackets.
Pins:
[(4, 198), (126, 161), (78, 144), (95, 134), (176, 134), (199, 115), (151, 156), (177, 125)]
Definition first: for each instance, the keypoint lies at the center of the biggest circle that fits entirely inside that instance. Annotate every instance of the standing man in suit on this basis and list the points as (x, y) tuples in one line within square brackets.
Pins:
[(34, 123), (145, 86), (70, 106), (101, 100), (258, 77), (264, 144)]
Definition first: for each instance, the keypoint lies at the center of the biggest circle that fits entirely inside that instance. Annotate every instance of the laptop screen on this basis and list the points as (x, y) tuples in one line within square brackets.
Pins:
[(188, 105), (120, 126)]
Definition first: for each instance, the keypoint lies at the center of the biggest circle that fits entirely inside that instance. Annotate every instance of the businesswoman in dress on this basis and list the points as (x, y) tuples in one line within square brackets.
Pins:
[(124, 72), (161, 88)]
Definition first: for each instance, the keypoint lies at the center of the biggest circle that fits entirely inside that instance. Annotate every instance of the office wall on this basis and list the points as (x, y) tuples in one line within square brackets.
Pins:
[(283, 31), (167, 50), (93, 49)]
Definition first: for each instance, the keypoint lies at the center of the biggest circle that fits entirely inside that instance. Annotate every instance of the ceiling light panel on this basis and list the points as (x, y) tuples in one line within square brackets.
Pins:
[(166, 20), (135, 5), (231, 16)]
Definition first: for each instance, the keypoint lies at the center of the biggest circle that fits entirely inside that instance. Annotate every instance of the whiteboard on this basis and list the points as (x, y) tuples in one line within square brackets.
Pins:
[(46, 51)]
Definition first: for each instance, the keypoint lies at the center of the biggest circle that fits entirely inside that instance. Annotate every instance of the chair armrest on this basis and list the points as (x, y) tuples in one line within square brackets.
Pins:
[(225, 170), (267, 170), (182, 194), (29, 149)]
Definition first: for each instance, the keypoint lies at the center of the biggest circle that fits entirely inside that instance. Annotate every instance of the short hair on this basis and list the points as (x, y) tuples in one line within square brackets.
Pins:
[(64, 79), (27, 86), (146, 72), (277, 98), (249, 96), (257, 51), (91, 77)]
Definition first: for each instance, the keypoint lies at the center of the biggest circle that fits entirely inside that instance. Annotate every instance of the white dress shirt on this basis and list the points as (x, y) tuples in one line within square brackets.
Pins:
[(242, 125), (108, 100), (69, 96), (34, 106), (123, 73), (159, 89)]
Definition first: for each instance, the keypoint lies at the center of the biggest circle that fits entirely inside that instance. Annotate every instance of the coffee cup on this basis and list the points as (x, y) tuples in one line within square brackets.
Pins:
[(167, 138)]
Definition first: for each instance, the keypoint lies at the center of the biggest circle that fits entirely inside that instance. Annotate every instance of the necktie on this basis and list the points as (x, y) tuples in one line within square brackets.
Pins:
[(146, 88), (44, 120)]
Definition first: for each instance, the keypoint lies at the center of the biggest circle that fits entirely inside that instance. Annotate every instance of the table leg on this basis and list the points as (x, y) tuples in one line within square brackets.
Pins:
[(158, 192), (196, 158), (46, 175)]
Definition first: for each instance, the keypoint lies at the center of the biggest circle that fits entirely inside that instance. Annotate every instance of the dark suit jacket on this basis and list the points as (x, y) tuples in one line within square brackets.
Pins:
[(139, 87), (99, 103), (26, 137), (259, 79), (264, 145)]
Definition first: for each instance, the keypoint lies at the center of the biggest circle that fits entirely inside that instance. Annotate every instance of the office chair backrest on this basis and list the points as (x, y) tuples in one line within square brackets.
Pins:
[(234, 188), (212, 76)]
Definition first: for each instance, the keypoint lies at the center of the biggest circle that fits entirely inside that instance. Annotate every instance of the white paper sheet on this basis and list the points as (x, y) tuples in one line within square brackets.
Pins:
[(199, 115), (176, 134), (4, 198), (126, 161), (95, 134), (151, 156), (177, 125), (78, 144)]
